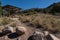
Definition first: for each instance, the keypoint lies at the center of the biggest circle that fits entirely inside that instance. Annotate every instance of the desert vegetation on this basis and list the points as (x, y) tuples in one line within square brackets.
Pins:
[(5, 21), (46, 21)]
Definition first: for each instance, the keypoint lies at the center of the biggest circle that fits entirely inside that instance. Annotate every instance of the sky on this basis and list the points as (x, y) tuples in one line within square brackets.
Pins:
[(26, 4)]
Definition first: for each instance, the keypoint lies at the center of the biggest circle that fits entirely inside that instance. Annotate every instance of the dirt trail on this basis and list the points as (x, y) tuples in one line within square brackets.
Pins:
[(28, 33)]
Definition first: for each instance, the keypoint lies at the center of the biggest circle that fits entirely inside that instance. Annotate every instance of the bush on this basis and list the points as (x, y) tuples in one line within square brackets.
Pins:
[(45, 21), (5, 21)]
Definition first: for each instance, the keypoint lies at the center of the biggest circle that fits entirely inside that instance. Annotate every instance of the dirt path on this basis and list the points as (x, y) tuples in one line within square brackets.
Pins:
[(29, 31), (23, 37)]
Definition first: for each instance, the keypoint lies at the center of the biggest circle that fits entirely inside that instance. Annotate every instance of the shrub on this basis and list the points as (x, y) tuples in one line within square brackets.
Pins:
[(45, 21)]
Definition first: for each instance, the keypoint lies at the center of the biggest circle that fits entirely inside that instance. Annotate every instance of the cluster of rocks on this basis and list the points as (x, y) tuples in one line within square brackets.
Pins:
[(14, 33)]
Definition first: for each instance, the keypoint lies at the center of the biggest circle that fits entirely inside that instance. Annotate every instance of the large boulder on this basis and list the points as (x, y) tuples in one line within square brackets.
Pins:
[(37, 36), (18, 32), (7, 30)]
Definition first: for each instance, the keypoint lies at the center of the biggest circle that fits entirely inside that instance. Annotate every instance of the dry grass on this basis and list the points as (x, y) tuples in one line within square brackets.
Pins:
[(47, 21), (5, 21)]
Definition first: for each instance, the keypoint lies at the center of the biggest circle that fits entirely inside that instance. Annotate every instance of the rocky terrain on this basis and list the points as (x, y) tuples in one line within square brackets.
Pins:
[(29, 30), (19, 24)]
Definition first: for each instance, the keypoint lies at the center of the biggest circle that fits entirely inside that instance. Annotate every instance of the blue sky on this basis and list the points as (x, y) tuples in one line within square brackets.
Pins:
[(26, 4)]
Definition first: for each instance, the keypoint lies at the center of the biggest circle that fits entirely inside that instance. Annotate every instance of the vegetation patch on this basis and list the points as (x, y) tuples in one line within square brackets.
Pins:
[(5, 21), (46, 21)]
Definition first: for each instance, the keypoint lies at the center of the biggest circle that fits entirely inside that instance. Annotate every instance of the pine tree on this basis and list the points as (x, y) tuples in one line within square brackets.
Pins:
[(0, 9)]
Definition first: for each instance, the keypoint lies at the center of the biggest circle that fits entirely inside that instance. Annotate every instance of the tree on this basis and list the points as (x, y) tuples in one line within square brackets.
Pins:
[(0, 9)]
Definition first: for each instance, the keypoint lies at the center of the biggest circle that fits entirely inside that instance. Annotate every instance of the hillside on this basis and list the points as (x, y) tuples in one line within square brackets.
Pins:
[(53, 9)]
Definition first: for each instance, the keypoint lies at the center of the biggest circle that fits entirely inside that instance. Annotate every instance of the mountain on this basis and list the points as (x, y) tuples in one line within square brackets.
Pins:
[(10, 10), (53, 8)]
